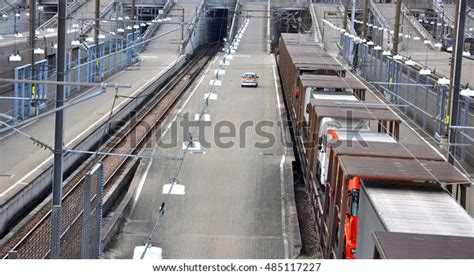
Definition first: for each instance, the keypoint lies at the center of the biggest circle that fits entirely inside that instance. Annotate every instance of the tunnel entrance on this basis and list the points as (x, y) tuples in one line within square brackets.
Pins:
[(217, 24)]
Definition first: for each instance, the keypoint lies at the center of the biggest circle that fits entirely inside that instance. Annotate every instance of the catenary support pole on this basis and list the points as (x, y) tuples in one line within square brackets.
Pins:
[(364, 20), (132, 17), (58, 134), (458, 55), (182, 25), (96, 38), (451, 67), (346, 12), (396, 30), (32, 4), (353, 14)]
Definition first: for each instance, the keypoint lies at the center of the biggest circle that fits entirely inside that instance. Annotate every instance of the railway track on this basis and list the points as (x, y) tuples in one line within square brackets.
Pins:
[(33, 240)]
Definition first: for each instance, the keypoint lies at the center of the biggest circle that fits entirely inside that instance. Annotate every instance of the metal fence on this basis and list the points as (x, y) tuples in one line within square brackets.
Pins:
[(417, 93), (81, 224), (92, 213), (83, 64)]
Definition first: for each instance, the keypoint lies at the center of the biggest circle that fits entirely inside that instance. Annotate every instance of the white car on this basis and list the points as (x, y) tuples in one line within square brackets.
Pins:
[(249, 80)]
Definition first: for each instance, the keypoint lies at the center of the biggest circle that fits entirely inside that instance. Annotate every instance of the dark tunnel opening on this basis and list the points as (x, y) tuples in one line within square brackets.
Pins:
[(216, 25)]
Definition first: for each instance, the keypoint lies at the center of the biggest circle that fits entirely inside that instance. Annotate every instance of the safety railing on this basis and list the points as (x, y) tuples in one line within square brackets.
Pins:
[(88, 26), (9, 7), (83, 64), (379, 15), (440, 10), (53, 21), (417, 26), (156, 23), (448, 18), (415, 91)]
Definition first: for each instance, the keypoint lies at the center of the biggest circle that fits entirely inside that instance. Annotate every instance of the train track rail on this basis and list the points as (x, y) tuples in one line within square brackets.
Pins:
[(33, 240)]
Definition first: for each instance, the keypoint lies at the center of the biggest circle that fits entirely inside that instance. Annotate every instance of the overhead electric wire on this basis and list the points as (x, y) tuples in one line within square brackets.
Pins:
[(174, 179), (385, 128)]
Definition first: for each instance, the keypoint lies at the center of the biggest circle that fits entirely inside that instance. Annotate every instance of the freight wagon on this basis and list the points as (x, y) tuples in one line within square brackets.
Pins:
[(412, 208), (394, 245), (351, 163), (303, 59), (343, 142)]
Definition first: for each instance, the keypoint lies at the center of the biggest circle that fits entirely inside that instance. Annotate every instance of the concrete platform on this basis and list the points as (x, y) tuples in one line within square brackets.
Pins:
[(23, 158), (234, 206)]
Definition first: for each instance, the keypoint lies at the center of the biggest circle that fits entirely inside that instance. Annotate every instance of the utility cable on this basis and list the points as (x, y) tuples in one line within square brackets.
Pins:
[(374, 117)]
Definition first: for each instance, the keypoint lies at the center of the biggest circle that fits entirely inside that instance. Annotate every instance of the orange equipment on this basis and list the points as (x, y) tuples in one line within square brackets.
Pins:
[(297, 91), (352, 217)]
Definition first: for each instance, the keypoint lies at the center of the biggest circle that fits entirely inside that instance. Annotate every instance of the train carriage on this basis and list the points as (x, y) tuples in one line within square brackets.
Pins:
[(340, 149), (303, 58)]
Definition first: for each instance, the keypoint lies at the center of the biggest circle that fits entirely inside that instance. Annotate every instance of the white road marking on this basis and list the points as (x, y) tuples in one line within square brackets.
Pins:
[(137, 196), (282, 165), (219, 72), (140, 185), (182, 107), (205, 117), (215, 82), (196, 146), (211, 96), (145, 174), (148, 56)]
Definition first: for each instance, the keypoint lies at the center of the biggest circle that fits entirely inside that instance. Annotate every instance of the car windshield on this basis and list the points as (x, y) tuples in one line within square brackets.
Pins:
[(249, 75)]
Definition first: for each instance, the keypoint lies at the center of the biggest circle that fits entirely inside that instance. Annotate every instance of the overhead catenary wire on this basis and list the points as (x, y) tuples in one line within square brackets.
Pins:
[(124, 49), (125, 155), (36, 141), (449, 153), (86, 84), (52, 111), (117, 35), (306, 36), (174, 179)]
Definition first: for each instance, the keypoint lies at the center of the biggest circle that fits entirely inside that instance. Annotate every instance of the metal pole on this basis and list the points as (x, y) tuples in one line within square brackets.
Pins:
[(32, 5), (364, 20), (442, 27), (396, 28), (14, 22), (353, 14), (451, 68), (454, 121), (182, 24), (96, 38), (346, 3), (132, 15), (58, 134)]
